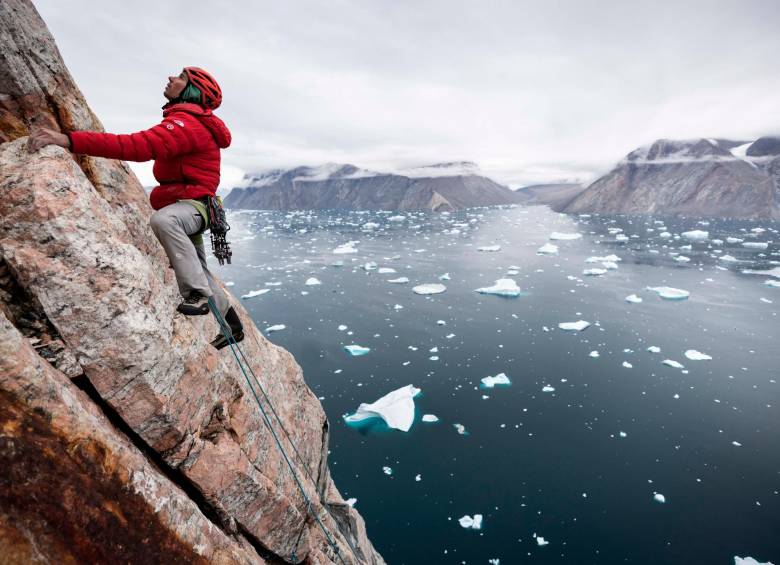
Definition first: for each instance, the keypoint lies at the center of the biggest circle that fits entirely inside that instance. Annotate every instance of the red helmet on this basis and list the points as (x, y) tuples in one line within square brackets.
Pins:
[(212, 93)]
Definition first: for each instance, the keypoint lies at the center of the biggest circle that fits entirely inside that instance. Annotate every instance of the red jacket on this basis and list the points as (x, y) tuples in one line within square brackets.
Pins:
[(185, 148)]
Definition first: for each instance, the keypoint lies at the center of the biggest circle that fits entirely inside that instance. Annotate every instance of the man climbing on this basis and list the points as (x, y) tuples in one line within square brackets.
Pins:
[(185, 147)]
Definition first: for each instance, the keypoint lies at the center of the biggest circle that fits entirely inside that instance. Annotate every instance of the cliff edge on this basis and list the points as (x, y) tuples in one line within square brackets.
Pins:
[(124, 436)]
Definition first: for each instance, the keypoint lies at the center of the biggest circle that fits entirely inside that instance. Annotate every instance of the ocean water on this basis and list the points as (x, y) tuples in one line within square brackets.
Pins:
[(568, 475)]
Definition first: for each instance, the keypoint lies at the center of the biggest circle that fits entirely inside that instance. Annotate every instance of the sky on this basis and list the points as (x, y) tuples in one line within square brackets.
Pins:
[(533, 92)]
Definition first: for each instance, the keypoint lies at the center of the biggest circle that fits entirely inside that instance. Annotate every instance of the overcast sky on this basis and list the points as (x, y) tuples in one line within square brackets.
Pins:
[(531, 91)]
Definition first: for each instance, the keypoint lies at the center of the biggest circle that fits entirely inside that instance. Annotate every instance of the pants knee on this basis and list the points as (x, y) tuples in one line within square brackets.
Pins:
[(161, 222)]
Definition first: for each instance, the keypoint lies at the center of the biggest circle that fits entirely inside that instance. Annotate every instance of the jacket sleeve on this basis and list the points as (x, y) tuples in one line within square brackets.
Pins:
[(165, 140)]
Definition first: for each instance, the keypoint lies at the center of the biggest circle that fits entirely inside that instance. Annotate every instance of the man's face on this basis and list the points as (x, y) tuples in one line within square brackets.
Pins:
[(176, 85)]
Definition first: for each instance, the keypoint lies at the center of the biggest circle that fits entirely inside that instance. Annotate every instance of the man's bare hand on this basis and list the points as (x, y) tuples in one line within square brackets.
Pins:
[(41, 137)]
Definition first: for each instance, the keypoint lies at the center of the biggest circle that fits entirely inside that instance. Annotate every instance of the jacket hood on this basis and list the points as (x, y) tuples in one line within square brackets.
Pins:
[(219, 131)]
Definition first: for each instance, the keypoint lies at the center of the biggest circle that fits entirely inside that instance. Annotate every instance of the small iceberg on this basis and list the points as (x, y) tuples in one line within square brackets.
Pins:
[(312, 281), (346, 248), (254, 293), (594, 272), (609, 258), (395, 408), (669, 293), (654, 349), (548, 388), (386, 271), (276, 328), (470, 523), (695, 235), (658, 497), (430, 418), (577, 326), (461, 429), (564, 236), (503, 287), (356, 350), (755, 245), (370, 266), (547, 249), (499, 379), (767, 273), (444, 277), (633, 299), (694, 355), (430, 288), (399, 280), (672, 363), (489, 248), (540, 541)]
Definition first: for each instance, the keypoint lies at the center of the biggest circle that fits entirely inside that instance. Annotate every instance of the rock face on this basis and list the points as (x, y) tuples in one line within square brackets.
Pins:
[(123, 434), (556, 196), (441, 187), (703, 177)]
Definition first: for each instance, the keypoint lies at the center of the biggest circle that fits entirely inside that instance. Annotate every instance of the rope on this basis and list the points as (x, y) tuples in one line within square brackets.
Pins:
[(233, 347)]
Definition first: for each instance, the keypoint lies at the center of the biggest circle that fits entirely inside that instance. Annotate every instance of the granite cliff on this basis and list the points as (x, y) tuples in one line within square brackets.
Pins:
[(699, 177), (124, 437), (438, 188)]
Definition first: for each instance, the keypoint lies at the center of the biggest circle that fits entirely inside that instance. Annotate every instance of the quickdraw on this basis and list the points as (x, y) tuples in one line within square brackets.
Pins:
[(219, 227)]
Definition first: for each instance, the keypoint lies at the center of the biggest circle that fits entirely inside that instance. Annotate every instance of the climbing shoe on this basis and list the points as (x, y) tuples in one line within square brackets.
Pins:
[(221, 341), (194, 305), (236, 329)]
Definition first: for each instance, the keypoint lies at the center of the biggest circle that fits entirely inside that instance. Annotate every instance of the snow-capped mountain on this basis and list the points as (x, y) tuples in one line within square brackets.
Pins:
[(436, 187), (698, 177)]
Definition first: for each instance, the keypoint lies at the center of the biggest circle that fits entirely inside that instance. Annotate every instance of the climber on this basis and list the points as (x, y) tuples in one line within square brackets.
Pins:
[(186, 149)]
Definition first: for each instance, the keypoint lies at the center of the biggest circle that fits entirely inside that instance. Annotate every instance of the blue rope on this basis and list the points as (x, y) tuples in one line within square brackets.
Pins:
[(233, 346)]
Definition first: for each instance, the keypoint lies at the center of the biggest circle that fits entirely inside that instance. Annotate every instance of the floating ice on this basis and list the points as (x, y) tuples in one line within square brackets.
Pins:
[(275, 328), (658, 497), (593, 354), (430, 418), (654, 349), (357, 350), (418, 478), (594, 272), (695, 235), (540, 541), (577, 326), (351, 501), (444, 277), (734, 240), (461, 429), (564, 236), (312, 281), (611, 258), (342, 327), (399, 280), (396, 218), (387, 470), (395, 408), (611, 265), (672, 363), (548, 249), (386, 271), (429, 288), (755, 245), (489, 248), (229, 283), (772, 283), (499, 379), (748, 561), (682, 259), (346, 248), (669, 293), (254, 293), (627, 365), (697, 355), (474, 523), (369, 266), (503, 287), (767, 273), (633, 298), (548, 388)]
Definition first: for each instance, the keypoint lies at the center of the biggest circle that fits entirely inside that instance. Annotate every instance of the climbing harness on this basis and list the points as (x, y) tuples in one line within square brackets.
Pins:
[(224, 328), (219, 227)]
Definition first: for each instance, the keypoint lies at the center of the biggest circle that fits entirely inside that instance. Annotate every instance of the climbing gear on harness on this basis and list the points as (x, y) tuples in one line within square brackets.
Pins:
[(219, 227), (234, 347), (236, 330), (194, 305)]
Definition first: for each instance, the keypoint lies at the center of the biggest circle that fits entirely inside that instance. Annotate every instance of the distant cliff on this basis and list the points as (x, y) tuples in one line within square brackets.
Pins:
[(700, 177), (440, 187), (556, 196), (124, 436)]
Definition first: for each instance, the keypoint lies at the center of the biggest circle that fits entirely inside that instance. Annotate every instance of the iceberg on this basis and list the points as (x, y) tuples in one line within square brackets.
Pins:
[(399, 280), (357, 350), (755, 245), (386, 271), (499, 379), (594, 272), (474, 523), (548, 388), (672, 363), (430, 288), (610, 258), (564, 236), (540, 541), (748, 561), (275, 328), (697, 355), (767, 273), (577, 326), (772, 283), (430, 418), (658, 497), (461, 429), (669, 293), (489, 248), (547, 249), (312, 281), (346, 248), (654, 349), (395, 408), (633, 299), (370, 266), (503, 287), (695, 235), (254, 293)]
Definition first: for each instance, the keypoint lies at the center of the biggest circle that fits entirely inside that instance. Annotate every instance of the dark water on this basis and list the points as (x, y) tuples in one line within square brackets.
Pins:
[(552, 464)]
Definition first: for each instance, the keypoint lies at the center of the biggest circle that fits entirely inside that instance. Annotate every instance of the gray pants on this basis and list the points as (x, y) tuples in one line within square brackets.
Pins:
[(173, 225)]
